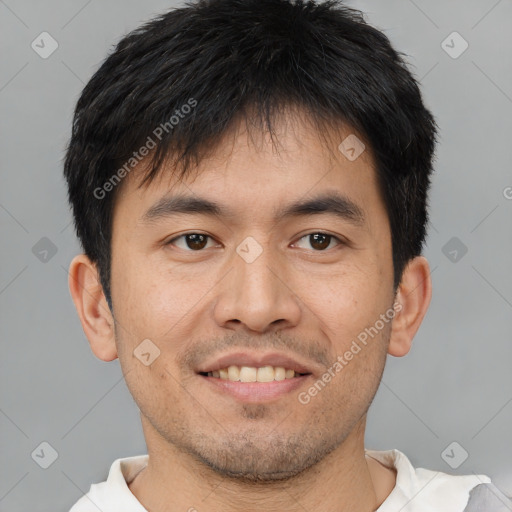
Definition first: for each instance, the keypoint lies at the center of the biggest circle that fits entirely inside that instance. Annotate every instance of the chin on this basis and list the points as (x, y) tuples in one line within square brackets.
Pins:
[(259, 458)]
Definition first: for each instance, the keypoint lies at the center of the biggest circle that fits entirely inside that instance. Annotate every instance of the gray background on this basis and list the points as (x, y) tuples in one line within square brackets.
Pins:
[(455, 384)]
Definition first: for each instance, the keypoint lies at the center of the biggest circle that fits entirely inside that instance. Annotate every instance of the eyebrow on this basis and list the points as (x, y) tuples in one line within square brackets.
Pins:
[(330, 203)]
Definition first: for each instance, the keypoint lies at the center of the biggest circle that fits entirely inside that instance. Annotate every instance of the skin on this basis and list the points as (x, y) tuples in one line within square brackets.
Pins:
[(208, 449)]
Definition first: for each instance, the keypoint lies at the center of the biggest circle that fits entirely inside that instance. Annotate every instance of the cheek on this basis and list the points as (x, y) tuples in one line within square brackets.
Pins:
[(154, 307), (146, 300), (152, 387), (345, 391), (346, 302)]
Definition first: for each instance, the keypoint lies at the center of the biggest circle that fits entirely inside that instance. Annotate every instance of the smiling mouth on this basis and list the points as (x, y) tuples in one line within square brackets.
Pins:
[(253, 374)]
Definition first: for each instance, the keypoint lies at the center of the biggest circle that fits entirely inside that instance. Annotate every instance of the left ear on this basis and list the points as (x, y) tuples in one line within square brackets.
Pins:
[(413, 298)]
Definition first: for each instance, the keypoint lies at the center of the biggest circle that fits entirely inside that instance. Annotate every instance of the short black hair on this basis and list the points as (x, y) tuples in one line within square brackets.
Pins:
[(177, 83)]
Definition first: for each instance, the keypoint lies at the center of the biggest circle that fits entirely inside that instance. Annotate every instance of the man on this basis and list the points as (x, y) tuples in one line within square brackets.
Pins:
[(249, 182)]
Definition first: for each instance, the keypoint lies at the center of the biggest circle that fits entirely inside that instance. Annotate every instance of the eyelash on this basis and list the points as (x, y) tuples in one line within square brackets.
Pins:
[(340, 241)]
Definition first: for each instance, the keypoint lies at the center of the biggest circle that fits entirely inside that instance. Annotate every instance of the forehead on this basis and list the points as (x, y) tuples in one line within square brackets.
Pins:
[(253, 173)]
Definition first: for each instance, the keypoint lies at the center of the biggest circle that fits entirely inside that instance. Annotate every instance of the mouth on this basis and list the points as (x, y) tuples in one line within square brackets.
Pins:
[(266, 373), (255, 378)]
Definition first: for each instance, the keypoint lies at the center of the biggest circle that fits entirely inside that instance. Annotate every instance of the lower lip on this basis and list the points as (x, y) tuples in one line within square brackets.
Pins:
[(256, 391)]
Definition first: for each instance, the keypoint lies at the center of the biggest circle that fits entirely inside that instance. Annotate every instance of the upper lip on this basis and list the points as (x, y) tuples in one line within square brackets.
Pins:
[(255, 360)]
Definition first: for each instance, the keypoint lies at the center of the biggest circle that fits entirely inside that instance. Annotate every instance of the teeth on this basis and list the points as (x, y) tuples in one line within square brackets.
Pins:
[(253, 374), (289, 374), (233, 373), (248, 374), (279, 373), (265, 374)]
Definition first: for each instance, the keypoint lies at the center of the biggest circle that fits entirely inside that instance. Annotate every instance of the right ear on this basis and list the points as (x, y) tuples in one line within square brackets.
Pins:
[(92, 308)]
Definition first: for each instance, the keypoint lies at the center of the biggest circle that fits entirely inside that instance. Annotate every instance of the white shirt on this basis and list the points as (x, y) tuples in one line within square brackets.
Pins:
[(416, 490)]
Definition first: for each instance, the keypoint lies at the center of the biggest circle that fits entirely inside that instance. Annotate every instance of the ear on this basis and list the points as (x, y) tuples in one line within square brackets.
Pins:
[(412, 301), (91, 305)]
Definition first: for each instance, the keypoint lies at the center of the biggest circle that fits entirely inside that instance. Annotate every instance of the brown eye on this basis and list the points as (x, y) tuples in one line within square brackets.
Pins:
[(193, 241), (320, 241)]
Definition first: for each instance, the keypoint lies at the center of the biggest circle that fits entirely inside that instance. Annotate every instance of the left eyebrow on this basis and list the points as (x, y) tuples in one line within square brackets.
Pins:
[(331, 202)]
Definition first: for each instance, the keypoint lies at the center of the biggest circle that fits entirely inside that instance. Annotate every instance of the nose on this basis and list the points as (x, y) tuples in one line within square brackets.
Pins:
[(257, 294)]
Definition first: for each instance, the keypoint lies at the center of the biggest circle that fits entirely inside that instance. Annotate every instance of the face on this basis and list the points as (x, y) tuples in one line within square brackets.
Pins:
[(253, 291)]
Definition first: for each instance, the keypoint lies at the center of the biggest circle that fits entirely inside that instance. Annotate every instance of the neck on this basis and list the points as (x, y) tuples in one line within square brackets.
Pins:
[(343, 481)]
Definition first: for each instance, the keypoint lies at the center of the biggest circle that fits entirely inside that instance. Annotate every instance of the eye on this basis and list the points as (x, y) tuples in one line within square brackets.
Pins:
[(192, 241), (320, 241), (195, 242)]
